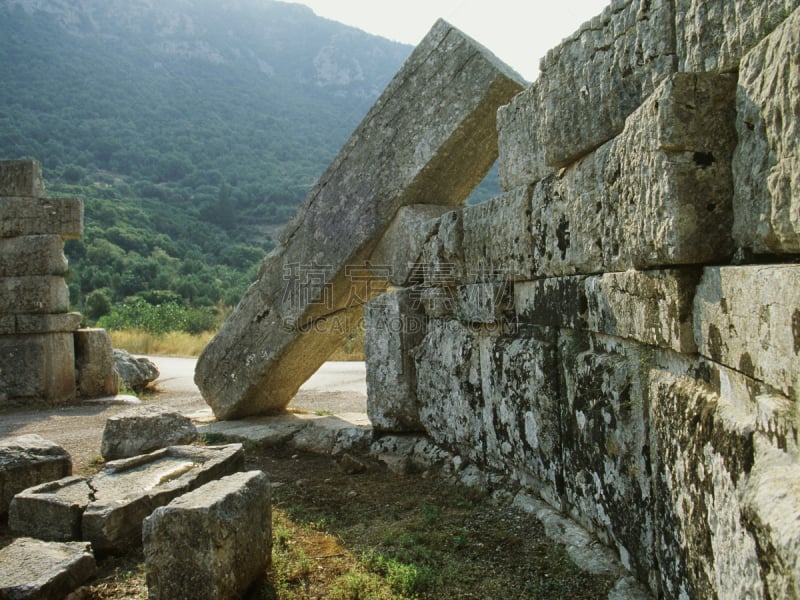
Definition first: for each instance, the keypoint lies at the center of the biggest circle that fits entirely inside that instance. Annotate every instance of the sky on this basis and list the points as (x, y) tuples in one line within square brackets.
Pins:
[(519, 32)]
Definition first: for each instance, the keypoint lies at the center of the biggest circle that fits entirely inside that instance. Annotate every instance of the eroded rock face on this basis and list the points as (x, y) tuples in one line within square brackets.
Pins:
[(430, 138)]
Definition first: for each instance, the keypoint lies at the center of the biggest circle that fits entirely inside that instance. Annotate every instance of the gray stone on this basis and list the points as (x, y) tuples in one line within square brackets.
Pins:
[(552, 302), (485, 303), (443, 252), (333, 434), (26, 324), (41, 216), (51, 511), (394, 326), (398, 253), (600, 74), (261, 431), (214, 542), (29, 460), (713, 35), (747, 318), (32, 255), (143, 429), (766, 164), (135, 373), (21, 178), (34, 294), (37, 368), (94, 364), (36, 570), (430, 137)]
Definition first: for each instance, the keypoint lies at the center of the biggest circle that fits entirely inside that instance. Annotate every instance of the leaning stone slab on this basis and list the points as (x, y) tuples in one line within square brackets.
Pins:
[(214, 542), (21, 178), (34, 294), (37, 368), (430, 138), (94, 366), (41, 216), (748, 319), (32, 255), (713, 35), (598, 76), (33, 569), (29, 460), (145, 429), (766, 164)]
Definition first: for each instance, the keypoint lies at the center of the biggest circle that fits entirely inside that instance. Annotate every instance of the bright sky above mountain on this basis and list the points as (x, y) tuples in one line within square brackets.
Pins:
[(517, 31)]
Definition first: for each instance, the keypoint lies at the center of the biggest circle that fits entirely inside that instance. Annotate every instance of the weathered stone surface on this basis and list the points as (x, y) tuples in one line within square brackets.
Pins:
[(713, 35), (498, 245), (748, 319), (41, 216), (144, 429), (29, 460), (32, 569), (94, 364), (606, 473), (398, 254), (51, 511), (766, 164), (25, 324), (394, 326), (136, 373), (32, 255), (34, 294), (443, 252), (552, 302), (37, 368), (128, 490), (652, 307), (21, 178), (333, 434), (484, 302), (430, 137), (600, 74), (213, 543)]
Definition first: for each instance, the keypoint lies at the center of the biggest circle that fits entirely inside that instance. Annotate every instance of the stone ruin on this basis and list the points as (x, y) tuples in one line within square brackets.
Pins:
[(44, 354), (618, 332)]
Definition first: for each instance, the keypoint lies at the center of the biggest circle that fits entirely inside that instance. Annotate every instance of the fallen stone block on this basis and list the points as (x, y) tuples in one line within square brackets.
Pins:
[(430, 137), (261, 431), (713, 35), (32, 255), (214, 542), (51, 511), (44, 570), (136, 373), (41, 216), (333, 434), (21, 178), (766, 164), (145, 429), (34, 294), (394, 326), (26, 461), (747, 318), (94, 365), (37, 368)]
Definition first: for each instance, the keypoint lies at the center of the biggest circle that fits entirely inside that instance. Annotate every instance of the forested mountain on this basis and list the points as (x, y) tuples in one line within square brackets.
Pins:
[(191, 129)]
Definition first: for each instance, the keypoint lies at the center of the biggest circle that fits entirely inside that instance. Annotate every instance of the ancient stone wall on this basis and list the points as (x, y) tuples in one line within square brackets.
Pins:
[(619, 332), (43, 354)]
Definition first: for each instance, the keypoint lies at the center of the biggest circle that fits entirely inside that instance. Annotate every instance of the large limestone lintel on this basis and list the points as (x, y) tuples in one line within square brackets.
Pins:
[(41, 216), (430, 138)]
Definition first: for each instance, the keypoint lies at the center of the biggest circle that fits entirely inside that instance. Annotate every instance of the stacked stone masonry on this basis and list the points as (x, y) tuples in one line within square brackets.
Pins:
[(619, 331), (43, 355)]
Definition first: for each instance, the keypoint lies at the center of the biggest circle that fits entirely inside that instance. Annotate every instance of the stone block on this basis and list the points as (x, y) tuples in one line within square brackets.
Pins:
[(41, 216), (498, 245), (484, 303), (94, 365), (51, 511), (144, 429), (128, 490), (766, 164), (398, 254), (714, 35), (214, 542), (747, 318), (37, 368), (598, 76), (26, 461), (44, 570), (430, 137), (443, 252), (135, 372), (438, 302), (607, 476), (36, 294), (21, 178), (32, 255), (27, 324), (394, 326), (552, 302)]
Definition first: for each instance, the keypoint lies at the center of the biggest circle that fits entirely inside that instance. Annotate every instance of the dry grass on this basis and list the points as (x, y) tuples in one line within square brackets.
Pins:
[(174, 343)]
